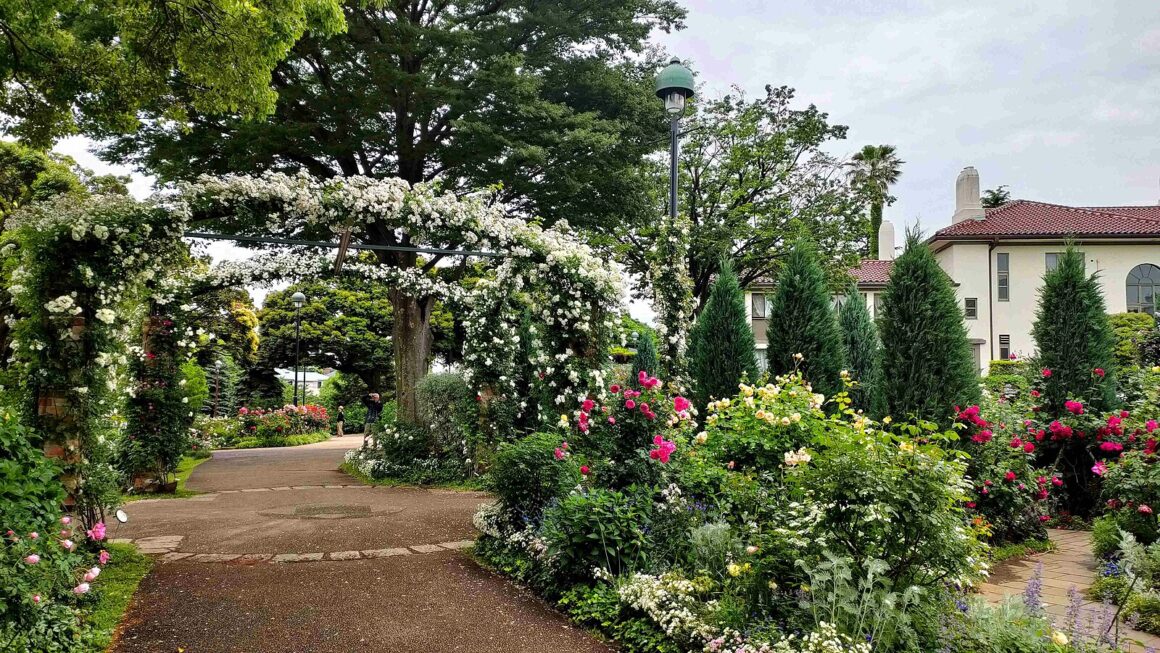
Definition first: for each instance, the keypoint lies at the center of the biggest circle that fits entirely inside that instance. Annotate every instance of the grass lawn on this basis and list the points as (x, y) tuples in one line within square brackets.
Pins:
[(351, 470), (184, 469), (1009, 551), (113, 590)]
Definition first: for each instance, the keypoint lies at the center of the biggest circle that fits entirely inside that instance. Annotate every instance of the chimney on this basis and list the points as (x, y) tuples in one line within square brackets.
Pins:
[(968, 204), (886, 241)]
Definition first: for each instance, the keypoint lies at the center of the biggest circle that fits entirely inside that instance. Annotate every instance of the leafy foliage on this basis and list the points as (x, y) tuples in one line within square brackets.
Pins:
[(645, 358), (526, 477), (29, 488), (802, 321), (1130, 331), (92, 65), (927, 366), (722, 351), (993, 198), (600, 529)]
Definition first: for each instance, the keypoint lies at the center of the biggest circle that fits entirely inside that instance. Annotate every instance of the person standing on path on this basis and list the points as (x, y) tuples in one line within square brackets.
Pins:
[(339, 421), (374, 409)]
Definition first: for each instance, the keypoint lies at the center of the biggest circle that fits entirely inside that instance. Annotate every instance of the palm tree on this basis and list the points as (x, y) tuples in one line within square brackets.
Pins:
[(993, 198), (875, 169)]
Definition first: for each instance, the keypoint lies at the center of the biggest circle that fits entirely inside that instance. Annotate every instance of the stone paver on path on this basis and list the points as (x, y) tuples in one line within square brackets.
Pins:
[(285, 554), (1070, 565)]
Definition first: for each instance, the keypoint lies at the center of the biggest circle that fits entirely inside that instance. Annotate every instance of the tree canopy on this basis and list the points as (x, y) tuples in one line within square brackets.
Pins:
[(77, 65), (753, 177), (548, 102), (874, 169)]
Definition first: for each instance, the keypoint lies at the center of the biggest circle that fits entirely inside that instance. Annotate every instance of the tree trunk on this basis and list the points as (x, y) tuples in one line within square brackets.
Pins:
[(412, 344), (875, 225)]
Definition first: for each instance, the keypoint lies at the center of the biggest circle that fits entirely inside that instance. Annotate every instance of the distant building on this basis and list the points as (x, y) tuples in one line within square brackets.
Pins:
[(309, 382), (997, 258)]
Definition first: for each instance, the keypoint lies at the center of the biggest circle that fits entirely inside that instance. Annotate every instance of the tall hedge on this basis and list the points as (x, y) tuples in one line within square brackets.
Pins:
[(802, 321), (721, 345), (1073, 336), (927, 364), (864, 360)]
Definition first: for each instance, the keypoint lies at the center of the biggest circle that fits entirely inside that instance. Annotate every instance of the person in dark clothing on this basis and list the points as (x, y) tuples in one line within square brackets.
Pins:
[(374, 406), (340, 421)]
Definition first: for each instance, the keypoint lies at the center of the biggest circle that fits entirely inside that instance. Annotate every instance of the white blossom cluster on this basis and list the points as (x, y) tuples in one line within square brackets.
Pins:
[(671, 602)]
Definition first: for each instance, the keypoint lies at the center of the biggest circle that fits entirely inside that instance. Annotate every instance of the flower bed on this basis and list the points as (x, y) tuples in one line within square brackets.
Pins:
[(787, 522), (287, 426)]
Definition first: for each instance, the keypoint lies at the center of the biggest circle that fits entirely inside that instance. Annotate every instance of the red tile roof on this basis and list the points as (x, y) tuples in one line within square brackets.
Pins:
[(1026, 219), (872, 271)]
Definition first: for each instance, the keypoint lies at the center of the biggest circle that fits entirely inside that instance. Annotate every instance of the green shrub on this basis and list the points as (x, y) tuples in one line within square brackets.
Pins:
[(526, 477), (1144, 611), (447, 407), (221, 432), (1115, 589), (29, 483), (722, 351), (1130, 331), (1105, 536), (927, 364), (713, 547), (196, 387), (802, 321), (645, 358), (1131, 482), (1008, 367), (601, 529)]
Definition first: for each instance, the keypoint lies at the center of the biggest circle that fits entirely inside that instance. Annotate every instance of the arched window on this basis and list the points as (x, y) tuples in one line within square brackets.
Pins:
[(1144, 289)]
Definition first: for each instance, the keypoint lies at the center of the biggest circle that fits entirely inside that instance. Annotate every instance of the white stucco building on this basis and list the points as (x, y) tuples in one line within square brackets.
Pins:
[(997, 258)]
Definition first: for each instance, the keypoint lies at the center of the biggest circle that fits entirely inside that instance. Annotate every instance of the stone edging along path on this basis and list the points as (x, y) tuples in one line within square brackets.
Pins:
[(166, 546)]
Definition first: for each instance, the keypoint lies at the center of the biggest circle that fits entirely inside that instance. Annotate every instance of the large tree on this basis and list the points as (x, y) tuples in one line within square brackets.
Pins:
[(229, 315), (548, 103), (754, 176), (874, 169), (90, 65)]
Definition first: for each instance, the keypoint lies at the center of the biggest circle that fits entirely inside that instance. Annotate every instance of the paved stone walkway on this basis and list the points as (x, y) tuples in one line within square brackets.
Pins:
[(283, 553), (1071, 565)]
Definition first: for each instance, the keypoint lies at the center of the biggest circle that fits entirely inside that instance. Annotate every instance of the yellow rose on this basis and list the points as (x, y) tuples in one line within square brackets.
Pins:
[(887, 420), (906, 446), (734, 569), (1059, 638)]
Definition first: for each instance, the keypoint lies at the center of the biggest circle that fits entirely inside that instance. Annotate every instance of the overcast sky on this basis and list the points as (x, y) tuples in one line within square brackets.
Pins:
[(1058, 99)]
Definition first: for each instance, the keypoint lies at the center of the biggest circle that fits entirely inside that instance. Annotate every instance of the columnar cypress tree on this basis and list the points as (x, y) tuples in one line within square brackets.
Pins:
[(860, 337), (721, 344), (645, 357), (927, 365), (1073, 336), (802, 321)]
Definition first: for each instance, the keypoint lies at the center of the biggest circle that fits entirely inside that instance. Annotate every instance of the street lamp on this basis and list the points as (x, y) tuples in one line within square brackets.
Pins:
[(217, 384), (299, 299), (674, 86)]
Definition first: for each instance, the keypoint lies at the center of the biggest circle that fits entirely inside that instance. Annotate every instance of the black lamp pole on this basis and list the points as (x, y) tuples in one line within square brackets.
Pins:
[(299, 299), (674, 87)]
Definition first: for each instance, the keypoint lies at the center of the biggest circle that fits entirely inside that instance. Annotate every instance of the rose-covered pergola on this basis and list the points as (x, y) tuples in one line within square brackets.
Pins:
[(537, 327)]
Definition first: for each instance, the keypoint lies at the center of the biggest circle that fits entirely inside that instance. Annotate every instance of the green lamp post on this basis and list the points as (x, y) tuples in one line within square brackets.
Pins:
[(674, 86)]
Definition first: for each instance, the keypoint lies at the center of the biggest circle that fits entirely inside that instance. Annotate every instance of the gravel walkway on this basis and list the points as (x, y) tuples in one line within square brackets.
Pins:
[(284, 553), (1071, 565)]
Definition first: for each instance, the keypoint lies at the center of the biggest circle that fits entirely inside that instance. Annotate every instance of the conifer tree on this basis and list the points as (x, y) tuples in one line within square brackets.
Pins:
[(927, 364), (1073, 337), (860, 337), (721, 345), (802, 321), (645, 357)]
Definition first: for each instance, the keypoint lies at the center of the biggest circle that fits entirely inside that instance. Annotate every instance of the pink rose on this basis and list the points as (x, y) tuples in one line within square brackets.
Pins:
[(1099, 468), (680, 404), (104, 557), (32, 559), (1144, 509), (584, 469), (630, 404), (83, 588), (1046, 373)]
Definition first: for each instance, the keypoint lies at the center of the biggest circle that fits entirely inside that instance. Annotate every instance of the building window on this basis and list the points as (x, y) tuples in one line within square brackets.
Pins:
[(971, 308), (1143, 288), (877, 304), (1004, 265), (760, 310), (1051, 260), (1004, 347)]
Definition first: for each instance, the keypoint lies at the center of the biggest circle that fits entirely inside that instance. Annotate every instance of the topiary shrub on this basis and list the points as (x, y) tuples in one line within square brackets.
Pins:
[(802, 322), (722, 350), (526, 477), (447, 408), (645, 358), (927, 364)]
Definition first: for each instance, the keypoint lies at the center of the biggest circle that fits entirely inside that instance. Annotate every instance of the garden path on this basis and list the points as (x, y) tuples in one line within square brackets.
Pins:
[(285, 553), (1070, 565)]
